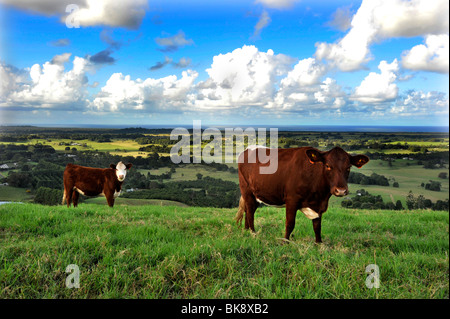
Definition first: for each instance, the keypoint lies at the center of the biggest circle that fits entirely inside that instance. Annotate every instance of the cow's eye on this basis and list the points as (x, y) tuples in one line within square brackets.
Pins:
[(328, 167)]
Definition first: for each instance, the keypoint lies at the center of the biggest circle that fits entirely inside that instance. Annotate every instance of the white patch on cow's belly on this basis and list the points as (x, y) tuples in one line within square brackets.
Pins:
[(309, 213), (78, 190), (277, 206)]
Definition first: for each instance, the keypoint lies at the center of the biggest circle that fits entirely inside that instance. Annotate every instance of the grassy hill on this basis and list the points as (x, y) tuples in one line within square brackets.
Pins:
[(188, 252)]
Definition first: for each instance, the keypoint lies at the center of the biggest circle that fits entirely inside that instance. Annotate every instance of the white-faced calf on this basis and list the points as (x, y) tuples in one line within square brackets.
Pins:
[(91, 181)]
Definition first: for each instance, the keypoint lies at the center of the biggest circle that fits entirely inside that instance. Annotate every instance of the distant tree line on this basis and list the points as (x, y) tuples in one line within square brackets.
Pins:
[(364, 200), (204, 192), (420, 202), (374, 179)]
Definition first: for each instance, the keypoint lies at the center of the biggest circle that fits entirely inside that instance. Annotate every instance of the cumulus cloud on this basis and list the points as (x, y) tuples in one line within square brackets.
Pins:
[(125, 13), (51, 86), (244, 76), (379, 87), (11, 79), (45, 7), (419, 103), (377, 20), (303, 89), (173, 43), (306, 72), (246, 80), (122, 94), (433, 56)]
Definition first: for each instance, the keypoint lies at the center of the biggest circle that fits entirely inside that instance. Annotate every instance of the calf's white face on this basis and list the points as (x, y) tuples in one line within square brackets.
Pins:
[(121, 170)]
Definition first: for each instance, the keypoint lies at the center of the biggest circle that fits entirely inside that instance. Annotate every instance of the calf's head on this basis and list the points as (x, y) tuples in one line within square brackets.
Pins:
[(121, 170), (336, 165)]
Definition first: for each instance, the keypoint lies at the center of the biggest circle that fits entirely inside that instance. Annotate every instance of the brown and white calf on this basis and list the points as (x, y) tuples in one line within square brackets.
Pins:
[(91, 181)]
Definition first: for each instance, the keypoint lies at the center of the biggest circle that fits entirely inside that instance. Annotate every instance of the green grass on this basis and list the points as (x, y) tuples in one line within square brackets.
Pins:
[(15, 194), (187, 252)]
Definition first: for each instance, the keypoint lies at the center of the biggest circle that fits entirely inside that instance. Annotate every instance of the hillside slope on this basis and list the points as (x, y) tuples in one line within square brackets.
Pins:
[(188, 252)]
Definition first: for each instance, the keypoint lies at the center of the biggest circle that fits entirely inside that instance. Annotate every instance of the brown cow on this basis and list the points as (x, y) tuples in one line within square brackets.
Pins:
[(305, 180), (93, 181)]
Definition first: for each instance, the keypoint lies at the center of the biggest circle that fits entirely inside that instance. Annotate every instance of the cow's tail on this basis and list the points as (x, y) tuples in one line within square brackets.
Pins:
[(240, 213), (64, 197)]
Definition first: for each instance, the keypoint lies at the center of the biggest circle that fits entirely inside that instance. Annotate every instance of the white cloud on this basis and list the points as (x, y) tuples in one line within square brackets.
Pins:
[(50, 86), (330, 93), (433, 56), (277, 4), (379, 87), (61, 59), (124, 13), (311, 95), (45, 7), (114, 13), (11, 78), (419, 103), (306, 72), (263, 22), (342, 19), (123, 94), (377, 20), (173, 43), (244, 76)]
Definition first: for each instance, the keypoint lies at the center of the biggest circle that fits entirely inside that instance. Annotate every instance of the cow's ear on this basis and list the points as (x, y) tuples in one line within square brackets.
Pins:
[(113, 166), (128, 166), (359, 160), (314, 156)]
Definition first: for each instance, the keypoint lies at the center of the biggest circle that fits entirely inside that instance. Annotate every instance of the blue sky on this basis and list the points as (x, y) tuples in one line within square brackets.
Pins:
[(267, 62)]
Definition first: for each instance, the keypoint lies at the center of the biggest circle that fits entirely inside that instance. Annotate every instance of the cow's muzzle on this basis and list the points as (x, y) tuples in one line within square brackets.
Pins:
[(340, 191)]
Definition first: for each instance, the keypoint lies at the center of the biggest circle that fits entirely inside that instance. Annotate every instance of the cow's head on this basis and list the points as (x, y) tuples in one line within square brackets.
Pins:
[(336, 165), (121, 170)]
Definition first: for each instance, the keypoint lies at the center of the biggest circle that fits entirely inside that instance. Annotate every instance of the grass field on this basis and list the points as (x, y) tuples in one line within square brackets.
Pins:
[(15, 194), (120, 201), (186, 252), (409, 178)]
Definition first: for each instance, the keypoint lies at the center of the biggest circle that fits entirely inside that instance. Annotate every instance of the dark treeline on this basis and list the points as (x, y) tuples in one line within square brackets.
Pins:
[(364, 200), (204, 192), (374, 179)]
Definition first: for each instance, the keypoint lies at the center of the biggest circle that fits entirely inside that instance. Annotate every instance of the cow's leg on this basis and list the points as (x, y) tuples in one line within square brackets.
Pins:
[(110, 198), (75, 197), (250, 207), (317, 225), (291, 213), (68, 196)]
